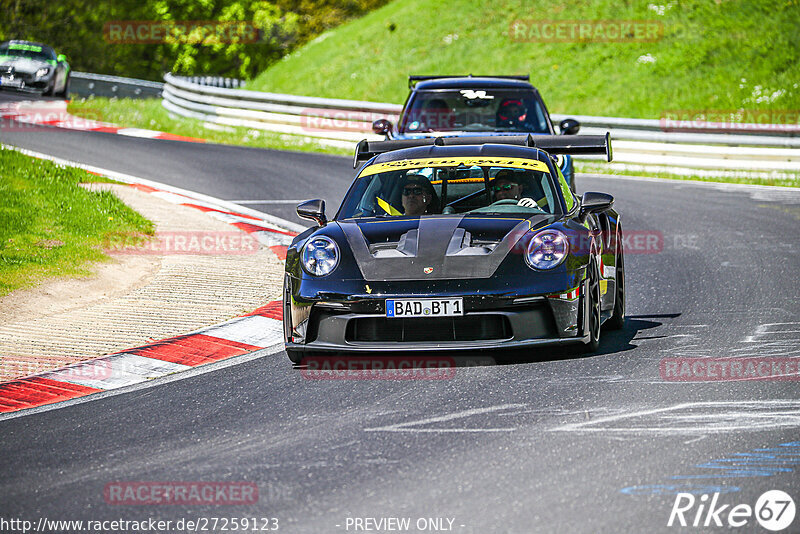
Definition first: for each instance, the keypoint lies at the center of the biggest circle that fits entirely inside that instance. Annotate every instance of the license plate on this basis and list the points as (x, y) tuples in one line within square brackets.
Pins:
[(10, 82), (424, 307)]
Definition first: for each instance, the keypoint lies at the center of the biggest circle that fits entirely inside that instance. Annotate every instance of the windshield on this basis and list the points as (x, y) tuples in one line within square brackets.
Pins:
[(470, 110), (443, 186), (27, 50)]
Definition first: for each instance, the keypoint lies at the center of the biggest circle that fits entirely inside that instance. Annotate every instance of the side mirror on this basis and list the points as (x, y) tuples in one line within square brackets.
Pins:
[(382, 127), (61, 58), (594, 202), (569, 127), (313, 210)]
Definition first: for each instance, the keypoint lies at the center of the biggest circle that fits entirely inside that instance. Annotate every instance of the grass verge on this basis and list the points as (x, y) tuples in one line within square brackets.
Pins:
[(50, 226), (149, 114), (738, 54)]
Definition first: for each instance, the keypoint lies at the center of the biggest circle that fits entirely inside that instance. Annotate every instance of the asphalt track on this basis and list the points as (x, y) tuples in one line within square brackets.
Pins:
[(555, 443)]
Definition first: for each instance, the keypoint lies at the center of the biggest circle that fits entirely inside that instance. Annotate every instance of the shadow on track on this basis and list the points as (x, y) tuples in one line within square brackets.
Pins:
[(611, 342)]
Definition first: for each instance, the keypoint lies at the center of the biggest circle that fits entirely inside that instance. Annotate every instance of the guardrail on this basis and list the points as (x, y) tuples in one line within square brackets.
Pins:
[(85, 84), (341, 123)]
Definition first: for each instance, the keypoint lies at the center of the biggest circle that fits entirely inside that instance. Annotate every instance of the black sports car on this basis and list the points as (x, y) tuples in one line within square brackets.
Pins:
[(32, 66), (457, 243), (476, 105)]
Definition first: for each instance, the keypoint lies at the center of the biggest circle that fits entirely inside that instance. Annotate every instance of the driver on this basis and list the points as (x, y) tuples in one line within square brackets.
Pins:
[(511, 114), (506, 186), (419, 197)]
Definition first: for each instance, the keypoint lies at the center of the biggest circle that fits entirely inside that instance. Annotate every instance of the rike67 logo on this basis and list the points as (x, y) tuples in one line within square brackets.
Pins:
[(774, 510)]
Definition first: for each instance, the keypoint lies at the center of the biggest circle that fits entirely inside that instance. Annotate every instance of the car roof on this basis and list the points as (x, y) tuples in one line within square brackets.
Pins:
[(435, 151), (32, 43), (469, 82)]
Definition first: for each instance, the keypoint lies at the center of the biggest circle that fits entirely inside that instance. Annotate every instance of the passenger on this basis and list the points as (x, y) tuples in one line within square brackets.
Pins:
[(419, 197), (506, 186)]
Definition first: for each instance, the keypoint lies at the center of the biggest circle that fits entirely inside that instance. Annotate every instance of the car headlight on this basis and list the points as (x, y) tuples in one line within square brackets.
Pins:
[(547, 249), (320, 256), (42, 72)]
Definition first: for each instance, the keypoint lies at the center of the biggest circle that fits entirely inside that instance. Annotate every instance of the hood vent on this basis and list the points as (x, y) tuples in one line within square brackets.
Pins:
[(433, 248), (406, 247), (462, 244)]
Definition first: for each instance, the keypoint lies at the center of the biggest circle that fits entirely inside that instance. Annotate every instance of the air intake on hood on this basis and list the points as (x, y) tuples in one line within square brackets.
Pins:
[(406, 247), (462, 244)]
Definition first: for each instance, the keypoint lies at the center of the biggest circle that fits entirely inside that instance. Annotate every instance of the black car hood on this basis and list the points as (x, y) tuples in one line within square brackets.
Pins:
[(23, 64), (436, 248)]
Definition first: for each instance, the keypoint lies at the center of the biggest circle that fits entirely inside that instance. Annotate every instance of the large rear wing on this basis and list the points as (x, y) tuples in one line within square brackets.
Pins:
[(554, 144), (413, 79)]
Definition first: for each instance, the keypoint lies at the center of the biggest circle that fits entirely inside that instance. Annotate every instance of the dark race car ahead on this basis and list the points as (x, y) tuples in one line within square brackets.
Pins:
[(476, 106), (442, 245), (34, 67)]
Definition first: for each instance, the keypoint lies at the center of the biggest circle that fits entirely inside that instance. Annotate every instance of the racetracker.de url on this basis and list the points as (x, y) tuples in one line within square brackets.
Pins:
[(157, 526)]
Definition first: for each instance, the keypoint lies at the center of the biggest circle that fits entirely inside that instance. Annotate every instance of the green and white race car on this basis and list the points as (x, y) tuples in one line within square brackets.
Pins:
[(25, 65)]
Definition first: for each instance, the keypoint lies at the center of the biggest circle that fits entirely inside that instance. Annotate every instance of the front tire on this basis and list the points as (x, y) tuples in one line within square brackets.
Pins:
[(593, 296), (617, 319), (64, 93), (296, 356)]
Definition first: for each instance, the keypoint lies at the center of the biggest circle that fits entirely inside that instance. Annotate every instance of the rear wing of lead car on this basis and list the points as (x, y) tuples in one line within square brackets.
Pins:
[(553, 144), (413, 79)]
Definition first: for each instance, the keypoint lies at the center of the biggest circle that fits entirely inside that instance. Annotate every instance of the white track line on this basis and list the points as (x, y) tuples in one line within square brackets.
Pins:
[(407, 426)]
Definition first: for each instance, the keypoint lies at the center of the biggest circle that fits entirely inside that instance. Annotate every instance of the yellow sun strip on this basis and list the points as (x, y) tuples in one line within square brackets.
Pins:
[(388, 208), (459, 181), (469, 161)]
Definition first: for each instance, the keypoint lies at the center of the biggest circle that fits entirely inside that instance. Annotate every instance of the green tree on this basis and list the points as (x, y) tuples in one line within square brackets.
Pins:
[(76, 29)]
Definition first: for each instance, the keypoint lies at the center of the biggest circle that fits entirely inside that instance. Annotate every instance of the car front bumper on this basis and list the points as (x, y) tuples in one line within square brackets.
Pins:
[(359, 324)]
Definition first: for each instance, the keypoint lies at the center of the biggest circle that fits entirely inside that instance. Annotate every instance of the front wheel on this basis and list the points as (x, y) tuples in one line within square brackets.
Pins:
[(593, 306), (64, 93), (617, 320), (296, 356)]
